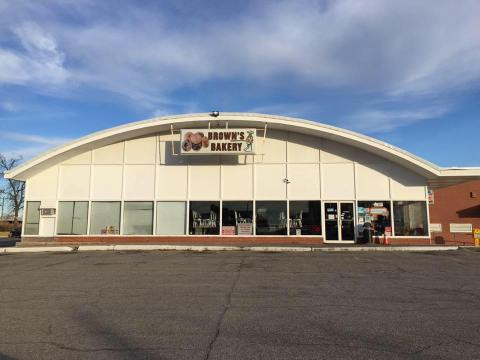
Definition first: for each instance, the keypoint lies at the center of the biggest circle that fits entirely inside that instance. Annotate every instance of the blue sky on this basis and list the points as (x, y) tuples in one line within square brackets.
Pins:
[(406, 72)]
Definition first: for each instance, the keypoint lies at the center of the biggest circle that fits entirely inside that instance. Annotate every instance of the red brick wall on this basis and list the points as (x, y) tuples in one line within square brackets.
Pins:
[(210, 240), (453, 204)]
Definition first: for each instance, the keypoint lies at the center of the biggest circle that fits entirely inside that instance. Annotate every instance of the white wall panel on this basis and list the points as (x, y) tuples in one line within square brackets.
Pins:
[(166, 156), (80, 159), (139, 182), (275, 148), (74, 182), (237, 159), (335, 152), (304, 181), (204, 182), (338, 182), (140, 151), (167, 136), (269, 184), (43, 185), (47, 226), (172, 182), (203, 159), (107, 182), (406, 185), (237, 182), (110, 154), (303, 148), (372, 182), (365, 157)]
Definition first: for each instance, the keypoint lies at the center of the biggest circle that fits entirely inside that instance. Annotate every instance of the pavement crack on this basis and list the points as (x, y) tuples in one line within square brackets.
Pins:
[(62, 346), (226, 307)]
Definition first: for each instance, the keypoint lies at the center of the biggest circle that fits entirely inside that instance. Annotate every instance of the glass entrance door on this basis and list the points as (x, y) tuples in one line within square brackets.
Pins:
[(331, 221), (339, 221), (346, 221)]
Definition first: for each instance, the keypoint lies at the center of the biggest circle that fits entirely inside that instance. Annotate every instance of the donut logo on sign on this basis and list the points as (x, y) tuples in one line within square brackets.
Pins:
[(194, 141)]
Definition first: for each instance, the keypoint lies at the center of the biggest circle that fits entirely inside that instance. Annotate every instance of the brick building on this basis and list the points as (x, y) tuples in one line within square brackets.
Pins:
[(454, 212)]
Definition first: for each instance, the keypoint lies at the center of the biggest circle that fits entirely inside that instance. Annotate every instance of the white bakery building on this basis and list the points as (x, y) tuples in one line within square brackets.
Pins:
[(229, 177)]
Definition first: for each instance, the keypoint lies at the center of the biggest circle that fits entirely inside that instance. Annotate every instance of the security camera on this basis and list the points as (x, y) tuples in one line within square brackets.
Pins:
[(214, 113)]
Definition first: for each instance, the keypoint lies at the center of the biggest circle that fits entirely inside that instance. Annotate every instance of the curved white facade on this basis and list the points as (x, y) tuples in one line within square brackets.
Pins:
[(294, 160)]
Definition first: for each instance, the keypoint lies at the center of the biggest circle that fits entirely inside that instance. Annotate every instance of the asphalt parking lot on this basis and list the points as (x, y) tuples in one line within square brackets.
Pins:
[(240, 305)]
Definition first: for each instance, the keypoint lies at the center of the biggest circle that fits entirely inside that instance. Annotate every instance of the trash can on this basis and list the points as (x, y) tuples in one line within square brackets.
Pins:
[(367, 233)]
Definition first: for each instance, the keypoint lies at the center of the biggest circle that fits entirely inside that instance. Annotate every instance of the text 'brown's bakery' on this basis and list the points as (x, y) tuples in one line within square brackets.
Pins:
[(219, 141)]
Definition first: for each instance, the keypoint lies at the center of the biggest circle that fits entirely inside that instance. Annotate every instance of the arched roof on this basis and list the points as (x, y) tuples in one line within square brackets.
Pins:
[(432, 172)]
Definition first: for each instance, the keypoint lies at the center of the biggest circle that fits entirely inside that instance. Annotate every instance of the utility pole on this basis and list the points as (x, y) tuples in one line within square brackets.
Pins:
[(2, 194)]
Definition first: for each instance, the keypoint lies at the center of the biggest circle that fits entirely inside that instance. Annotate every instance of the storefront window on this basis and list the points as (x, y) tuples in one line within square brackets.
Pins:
[(105, 218), (171, 217), (271, 218), (374, 217), (72, 218), (410, 218), (237, 218), (138, 218), (305, 218), (32, 218), (204, 218)]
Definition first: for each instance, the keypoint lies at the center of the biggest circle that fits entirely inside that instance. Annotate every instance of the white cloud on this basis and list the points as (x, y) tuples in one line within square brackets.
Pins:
[(33, 139), (390, 46), (16, 144), (378, 121), (384, 48), (24, 153), (39, 61), (295, 109), (9, 106), (160, 112)]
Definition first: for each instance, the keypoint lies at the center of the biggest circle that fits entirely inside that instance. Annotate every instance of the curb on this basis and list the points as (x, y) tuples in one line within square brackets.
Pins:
[(37, 249), (197, 248), (392, 248)]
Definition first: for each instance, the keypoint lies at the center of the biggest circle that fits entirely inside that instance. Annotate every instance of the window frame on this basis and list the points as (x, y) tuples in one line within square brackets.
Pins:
[(291, 219), (124, 217), (427, 219), (390, 209), (120, 219), (73, 217), (192, 221), (185, 217), (26, 217), (285, 202)]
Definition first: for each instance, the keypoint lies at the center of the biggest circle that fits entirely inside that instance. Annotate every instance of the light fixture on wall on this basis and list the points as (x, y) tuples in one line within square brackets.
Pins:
[(286, 181)]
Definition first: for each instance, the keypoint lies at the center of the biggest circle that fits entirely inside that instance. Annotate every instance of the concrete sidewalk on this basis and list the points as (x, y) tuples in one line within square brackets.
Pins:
[(197, 248)]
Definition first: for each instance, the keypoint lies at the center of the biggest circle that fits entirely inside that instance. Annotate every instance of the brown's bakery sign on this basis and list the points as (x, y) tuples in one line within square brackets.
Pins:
[(218, 141)]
